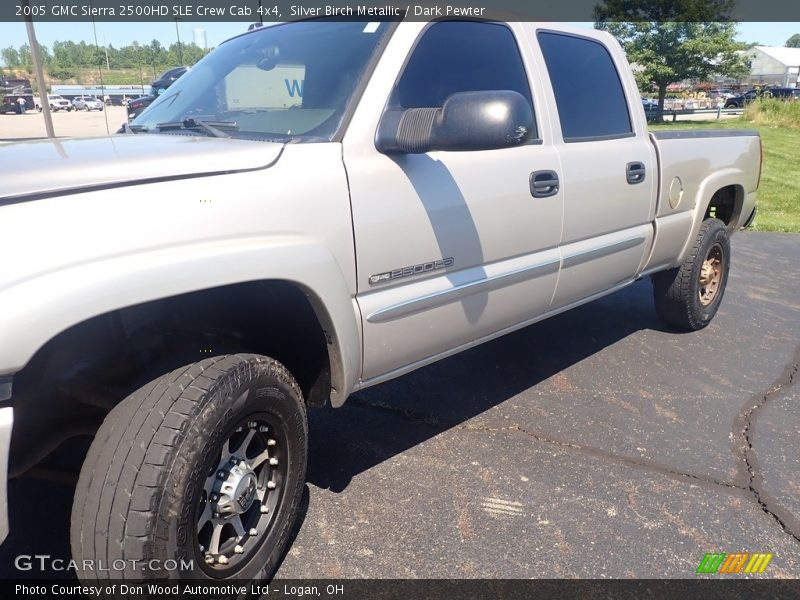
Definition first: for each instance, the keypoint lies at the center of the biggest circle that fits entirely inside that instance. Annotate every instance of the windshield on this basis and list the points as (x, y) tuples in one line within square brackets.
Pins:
[(290, 81)]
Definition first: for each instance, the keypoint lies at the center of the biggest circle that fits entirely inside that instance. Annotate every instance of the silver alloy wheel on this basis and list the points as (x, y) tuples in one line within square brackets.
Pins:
[(241, 494)]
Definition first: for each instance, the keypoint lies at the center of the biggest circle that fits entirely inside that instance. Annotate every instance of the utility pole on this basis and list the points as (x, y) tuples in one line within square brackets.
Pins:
[(105, 47), (180, 50), (37, 65)]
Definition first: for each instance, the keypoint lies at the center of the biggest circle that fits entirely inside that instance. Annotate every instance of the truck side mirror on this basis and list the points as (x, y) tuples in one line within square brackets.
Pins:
[(467, 121)]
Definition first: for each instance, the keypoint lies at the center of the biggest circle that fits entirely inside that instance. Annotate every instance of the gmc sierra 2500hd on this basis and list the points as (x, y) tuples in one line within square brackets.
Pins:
[(317, 207)]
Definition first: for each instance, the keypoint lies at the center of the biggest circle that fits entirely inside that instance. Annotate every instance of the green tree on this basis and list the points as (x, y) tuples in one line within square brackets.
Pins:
[(25, 58), (680, 40), (794, 41), (10, 57)]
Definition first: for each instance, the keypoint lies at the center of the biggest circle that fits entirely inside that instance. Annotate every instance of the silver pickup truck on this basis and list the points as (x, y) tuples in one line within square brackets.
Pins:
[(315, 208)]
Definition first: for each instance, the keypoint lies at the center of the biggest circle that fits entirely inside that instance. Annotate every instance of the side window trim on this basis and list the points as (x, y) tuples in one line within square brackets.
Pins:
[(591, 138), (535, 141)]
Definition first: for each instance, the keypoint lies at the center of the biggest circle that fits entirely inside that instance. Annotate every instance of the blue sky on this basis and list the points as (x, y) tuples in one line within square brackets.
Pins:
[(120, 34)]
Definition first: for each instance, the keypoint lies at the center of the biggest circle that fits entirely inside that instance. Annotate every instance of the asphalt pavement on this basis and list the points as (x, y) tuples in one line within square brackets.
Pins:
[(595, 444)]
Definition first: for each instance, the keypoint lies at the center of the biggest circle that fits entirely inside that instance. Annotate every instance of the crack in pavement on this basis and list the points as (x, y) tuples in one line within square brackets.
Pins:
[(744, 449), (419, 418), (644, 464)]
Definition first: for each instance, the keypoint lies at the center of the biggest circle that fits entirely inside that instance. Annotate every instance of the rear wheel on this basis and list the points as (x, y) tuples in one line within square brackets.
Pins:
[(204, 467), (688, 297)]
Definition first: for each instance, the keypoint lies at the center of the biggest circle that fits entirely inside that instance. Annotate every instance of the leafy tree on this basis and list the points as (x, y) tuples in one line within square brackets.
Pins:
[(794, 41), (10, 57), (25, 58), (66, 57), (674, 40), (61, 74)]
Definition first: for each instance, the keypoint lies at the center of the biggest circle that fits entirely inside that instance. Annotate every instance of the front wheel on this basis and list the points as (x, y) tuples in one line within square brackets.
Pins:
[(689, 296), (197, 475)]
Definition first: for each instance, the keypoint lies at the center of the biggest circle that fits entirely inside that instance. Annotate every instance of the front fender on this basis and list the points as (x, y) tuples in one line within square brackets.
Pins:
[(35, 310)]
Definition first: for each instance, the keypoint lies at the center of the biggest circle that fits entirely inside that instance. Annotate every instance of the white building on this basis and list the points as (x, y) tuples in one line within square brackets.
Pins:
[(774, 66)]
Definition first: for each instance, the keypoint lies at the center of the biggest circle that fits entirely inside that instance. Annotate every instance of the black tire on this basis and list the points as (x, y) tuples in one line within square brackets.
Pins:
[(678, 292), (140, 493)]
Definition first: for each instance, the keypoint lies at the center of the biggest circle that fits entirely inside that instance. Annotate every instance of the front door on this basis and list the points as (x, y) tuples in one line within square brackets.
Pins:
[(451, 246)]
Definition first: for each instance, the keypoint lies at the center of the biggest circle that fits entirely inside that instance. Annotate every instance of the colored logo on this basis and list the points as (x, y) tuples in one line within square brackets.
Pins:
[(729, 564)]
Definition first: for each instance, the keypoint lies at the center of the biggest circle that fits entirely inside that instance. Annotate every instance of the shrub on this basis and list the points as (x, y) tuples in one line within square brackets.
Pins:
[(771, 111), (61, 73)]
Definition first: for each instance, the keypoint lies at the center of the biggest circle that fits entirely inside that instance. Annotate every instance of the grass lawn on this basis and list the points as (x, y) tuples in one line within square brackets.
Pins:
[(779, 193)]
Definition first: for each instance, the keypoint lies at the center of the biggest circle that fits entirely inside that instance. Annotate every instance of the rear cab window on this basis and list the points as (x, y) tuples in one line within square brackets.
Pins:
[(588, 90)]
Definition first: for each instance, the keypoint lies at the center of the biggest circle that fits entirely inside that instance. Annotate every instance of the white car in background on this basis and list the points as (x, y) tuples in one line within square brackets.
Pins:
[(57, 102), (87, 103)]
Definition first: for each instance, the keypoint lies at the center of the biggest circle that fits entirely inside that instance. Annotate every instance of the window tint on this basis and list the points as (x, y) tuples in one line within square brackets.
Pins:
[(460, 56), (589, 95)]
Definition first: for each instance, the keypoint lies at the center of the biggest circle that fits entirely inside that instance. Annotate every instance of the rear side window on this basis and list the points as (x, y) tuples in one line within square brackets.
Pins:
[(589, 95), (460, 56)]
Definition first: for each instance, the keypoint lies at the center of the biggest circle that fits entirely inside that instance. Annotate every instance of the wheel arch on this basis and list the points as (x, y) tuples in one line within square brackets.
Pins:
[(35, 313), (720, 189), (83, 348)]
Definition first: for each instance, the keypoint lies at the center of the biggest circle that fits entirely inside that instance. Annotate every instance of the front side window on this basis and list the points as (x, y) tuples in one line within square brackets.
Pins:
[(589, 95), (460, 56), (290, 81)]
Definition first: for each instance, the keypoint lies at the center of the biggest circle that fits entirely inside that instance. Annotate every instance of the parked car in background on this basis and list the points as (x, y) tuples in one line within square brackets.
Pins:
[(57, 103), (723, 93), (650, 108), (135, 107), (12, 104), (8, 105), (649, 104), (792, 94), (789, 94), (87, 103)]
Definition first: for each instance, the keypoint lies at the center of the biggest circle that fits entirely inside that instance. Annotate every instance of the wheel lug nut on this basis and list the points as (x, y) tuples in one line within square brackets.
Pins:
[(216, 515), (238, 549), (209, 560), (252, 424), (223, 560), (263, 429), (221, 475), (271, 442), (273, 461), (254, 531), (264, 508), (271, 485)]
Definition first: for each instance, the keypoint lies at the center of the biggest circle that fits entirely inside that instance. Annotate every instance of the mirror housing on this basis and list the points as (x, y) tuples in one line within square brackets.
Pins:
[(468, 121)]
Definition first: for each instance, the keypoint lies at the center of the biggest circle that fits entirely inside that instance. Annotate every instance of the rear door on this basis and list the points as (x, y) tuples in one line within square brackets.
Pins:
[(608, 164), (451, 247)]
